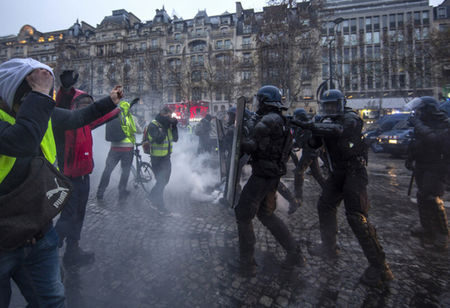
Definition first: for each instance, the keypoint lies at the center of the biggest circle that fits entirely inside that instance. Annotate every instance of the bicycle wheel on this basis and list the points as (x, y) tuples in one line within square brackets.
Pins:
[(146, 177), (135, 180)]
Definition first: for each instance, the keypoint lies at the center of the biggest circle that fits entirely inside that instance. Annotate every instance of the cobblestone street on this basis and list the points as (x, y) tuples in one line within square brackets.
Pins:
[(144, 259)]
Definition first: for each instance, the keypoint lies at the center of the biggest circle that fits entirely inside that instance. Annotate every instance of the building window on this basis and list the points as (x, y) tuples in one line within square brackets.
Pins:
[(219, 44), (442, 12), (392, 21), (400, 20), (246, 41), (227, 44), (417, 18), (143, 46), (246, 75), (376, 23), (353, 25), (177, 36), (196, 94), (368, 24), (425, 18)]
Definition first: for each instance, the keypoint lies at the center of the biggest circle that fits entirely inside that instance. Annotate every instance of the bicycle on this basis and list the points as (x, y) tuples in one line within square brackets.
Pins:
[(143, 174)]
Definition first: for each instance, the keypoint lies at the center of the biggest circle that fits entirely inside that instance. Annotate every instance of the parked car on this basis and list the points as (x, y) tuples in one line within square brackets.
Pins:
[(396, 141), (384, 124)]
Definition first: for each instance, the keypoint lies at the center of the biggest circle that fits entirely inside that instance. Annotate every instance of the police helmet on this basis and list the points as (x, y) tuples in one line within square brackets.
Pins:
[(270, 96), (422, 103), (332, 103), (300, 114)]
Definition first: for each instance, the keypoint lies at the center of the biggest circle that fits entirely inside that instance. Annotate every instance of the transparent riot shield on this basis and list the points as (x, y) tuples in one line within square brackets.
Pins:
[(233, 173), (221, 149)]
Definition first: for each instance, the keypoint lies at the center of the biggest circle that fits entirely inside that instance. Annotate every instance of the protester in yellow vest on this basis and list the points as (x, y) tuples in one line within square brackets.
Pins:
[(25, 131), (121, 150), (162, 132)]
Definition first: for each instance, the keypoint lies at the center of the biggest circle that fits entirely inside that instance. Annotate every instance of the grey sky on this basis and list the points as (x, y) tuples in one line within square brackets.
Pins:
[(52, 15)]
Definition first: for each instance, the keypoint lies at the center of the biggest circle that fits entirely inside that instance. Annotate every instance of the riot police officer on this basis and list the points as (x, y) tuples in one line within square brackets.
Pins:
[(430, 151), (340, 132), (269, 146), (309, 158)]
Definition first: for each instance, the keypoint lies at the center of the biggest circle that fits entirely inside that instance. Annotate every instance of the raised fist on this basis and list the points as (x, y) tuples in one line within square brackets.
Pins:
[(40, 80)]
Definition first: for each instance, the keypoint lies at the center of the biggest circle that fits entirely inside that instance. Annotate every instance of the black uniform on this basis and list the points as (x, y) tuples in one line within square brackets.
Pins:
[(203, 130), (348, 181), (309, 159), (267, 147), (431, 152)]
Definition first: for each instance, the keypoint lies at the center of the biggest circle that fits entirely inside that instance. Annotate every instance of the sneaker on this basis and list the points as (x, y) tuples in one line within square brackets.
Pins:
[(293, 259), (324, 251), (163, 210), (123, 194), (375, 276), (245, 268), (294, 205)]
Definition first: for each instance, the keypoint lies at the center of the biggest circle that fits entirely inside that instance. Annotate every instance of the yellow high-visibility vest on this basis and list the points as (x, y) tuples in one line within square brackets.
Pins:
[(164, 148), (48, 147)]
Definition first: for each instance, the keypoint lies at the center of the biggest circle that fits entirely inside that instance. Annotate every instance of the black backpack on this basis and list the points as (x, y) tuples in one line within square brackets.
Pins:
[(114, 131)]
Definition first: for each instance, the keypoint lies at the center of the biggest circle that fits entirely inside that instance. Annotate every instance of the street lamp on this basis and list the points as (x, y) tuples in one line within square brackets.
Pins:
[(336, 22)]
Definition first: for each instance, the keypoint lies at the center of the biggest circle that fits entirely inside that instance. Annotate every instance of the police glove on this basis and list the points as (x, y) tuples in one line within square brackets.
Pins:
[(303, 124), (134, 101), (409, 164)]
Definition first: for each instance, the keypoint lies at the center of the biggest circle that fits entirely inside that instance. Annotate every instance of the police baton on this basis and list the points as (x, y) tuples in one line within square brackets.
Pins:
[(411, 182)]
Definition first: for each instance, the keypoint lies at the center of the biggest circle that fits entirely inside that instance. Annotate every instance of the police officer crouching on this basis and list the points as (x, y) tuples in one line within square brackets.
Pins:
[(268, 145), (340, 132)]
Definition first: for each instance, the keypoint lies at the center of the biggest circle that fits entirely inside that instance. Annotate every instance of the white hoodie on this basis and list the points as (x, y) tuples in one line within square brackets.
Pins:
[(13, 72)]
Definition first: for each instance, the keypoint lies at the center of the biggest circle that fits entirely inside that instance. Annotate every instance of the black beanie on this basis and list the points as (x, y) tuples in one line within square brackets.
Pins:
[(68, 78)]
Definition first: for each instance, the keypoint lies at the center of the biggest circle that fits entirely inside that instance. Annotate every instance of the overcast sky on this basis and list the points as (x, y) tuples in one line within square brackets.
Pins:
[(52, 15)]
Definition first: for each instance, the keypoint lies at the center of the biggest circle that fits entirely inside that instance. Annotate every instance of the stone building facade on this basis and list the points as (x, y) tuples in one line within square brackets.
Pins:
[(379, 51)]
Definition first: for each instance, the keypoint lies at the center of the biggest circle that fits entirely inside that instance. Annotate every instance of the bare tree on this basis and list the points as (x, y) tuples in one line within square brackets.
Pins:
[(288, 45)]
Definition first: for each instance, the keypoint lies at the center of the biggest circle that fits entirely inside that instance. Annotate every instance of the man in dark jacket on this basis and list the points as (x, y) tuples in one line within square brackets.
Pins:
[(430, 151), (340, 132), (269, 146), (74, 148), (25, 85), (203, 131), (162, 133)]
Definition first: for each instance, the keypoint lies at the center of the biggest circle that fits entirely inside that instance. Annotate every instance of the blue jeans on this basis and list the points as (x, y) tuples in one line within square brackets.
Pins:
[(35, 270)]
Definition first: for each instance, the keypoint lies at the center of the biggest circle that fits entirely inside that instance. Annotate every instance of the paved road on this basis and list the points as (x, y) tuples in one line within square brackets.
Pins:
[(144, 259)]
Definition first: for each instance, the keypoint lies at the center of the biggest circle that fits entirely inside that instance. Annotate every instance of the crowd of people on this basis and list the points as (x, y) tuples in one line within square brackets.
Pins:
[(33, 124)]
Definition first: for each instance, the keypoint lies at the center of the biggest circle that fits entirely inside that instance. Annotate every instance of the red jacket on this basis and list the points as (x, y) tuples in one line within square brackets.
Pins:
[(78, 159)]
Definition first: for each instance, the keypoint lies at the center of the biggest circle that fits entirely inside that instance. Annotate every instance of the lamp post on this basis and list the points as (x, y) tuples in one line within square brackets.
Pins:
[(336, 22)]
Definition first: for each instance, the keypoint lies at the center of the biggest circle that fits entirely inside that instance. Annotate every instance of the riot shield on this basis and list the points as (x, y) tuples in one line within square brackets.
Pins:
[(221, 149), (234, 168)]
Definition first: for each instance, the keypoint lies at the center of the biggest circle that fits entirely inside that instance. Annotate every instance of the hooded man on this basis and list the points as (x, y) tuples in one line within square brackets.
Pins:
[(26, 131)]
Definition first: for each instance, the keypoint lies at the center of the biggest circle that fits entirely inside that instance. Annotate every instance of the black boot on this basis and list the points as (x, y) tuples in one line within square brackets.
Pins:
[(325, 251), (74, 255), (375, 276), (294, 258), (244, 267)]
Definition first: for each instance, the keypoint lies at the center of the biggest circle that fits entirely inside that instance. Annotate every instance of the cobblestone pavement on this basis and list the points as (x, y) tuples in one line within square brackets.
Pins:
[(144, 259)]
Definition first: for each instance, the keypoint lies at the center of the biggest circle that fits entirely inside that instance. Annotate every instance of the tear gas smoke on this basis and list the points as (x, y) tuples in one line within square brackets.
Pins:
[(194, 175)]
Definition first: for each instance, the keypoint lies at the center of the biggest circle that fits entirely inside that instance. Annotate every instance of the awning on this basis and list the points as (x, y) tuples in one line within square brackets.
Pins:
[(378, 103)]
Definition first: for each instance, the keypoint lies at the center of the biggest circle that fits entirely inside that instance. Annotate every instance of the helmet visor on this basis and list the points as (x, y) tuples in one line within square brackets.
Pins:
[(331, 108)]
